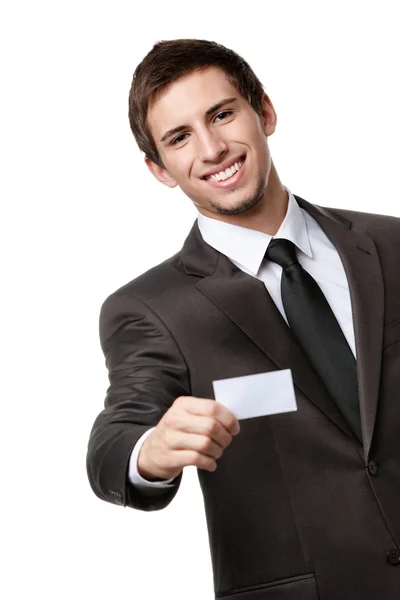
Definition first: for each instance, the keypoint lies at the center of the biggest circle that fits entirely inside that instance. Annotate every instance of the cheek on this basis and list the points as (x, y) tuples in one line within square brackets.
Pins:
[(262, 148), (183, 164), (252, 134), (179, 168)]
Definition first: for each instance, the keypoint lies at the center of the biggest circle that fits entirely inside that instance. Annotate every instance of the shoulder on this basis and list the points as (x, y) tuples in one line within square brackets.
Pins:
[(154, 280), (152, 290), (374, 224), (383, 230)]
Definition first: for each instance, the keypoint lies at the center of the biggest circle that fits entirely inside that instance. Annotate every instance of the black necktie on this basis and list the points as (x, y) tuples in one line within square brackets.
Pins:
[(315, 327)]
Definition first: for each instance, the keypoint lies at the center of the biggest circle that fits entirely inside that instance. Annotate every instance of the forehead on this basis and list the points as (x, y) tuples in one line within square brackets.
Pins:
[(188, 99)]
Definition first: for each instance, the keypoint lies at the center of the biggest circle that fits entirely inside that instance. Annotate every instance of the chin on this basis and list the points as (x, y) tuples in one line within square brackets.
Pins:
[(242, 205)]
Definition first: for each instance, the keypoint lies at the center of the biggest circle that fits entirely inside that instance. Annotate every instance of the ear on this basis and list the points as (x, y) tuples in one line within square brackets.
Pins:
[(160, 173), (269, 117)]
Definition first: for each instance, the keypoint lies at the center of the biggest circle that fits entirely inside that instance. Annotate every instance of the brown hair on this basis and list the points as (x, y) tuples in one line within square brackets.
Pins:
[(170, 60)]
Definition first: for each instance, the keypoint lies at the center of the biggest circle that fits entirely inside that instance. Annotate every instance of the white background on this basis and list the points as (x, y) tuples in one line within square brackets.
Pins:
[(82, 216)]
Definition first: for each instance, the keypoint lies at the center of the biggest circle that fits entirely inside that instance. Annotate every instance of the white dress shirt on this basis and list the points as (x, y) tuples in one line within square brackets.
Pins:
[(246, 249)]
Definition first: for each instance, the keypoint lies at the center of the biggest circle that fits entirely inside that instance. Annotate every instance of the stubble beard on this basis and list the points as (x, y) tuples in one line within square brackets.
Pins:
[(246, 203)]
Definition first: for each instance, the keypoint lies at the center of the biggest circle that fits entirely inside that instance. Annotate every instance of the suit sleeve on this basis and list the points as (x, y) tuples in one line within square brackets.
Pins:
[(146, 373)]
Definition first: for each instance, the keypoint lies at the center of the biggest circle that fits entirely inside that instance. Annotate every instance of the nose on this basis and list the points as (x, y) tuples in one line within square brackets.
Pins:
[(211, 146)]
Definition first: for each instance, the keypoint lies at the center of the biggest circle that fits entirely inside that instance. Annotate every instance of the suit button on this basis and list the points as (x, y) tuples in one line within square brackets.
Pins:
[(393, 556), (117, 496), (372, 468)]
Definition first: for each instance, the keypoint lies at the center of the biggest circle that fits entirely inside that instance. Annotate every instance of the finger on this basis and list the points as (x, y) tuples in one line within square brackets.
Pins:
[(207, 407), (203, 425), (199, 443)]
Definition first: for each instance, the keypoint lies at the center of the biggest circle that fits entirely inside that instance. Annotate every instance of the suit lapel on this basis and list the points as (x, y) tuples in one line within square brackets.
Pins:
[(246, 301)]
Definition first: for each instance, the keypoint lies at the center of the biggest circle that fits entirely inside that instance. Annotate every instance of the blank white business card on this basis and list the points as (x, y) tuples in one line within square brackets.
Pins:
[(257, 395)]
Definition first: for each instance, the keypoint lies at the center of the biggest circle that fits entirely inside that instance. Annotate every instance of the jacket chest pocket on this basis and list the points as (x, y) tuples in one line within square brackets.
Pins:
[(302, 587)]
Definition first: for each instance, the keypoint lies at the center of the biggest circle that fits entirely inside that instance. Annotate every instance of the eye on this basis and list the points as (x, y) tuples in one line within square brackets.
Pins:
[(223, 114), (179, 138)]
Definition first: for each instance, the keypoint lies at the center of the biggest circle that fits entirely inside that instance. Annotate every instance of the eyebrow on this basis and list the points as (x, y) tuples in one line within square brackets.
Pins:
[(212, 109)]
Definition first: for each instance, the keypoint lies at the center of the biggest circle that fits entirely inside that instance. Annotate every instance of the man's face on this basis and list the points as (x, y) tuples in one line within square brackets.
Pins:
[(218, 130)]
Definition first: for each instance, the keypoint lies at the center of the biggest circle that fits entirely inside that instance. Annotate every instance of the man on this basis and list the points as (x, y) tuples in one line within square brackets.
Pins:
[(302, 505)]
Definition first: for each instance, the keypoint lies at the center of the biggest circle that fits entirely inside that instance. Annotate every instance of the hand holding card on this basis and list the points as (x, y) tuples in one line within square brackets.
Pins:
[(257, 395)]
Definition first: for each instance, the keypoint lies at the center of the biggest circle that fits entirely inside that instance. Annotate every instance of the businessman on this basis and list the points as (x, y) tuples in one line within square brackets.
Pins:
[(303, 505)]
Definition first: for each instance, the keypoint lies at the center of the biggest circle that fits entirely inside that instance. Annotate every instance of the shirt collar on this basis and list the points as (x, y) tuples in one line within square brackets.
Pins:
[(248, 246)]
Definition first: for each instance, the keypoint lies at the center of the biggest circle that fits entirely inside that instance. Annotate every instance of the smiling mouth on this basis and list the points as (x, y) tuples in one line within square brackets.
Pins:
[(228, 173)]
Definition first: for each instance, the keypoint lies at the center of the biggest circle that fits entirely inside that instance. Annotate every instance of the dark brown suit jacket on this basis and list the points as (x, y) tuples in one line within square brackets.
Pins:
[(297, 509)]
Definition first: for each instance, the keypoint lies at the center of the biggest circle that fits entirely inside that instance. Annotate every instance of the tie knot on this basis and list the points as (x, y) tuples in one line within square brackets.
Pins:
[(282, 251)]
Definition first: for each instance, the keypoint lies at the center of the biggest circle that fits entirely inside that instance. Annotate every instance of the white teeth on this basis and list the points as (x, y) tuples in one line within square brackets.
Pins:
[(227, 173)]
